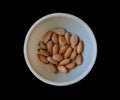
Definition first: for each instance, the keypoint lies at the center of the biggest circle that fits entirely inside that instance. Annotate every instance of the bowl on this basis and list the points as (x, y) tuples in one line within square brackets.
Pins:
[(72, 24)]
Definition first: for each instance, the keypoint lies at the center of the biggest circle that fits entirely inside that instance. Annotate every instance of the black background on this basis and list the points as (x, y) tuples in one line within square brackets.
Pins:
[(19, 80)]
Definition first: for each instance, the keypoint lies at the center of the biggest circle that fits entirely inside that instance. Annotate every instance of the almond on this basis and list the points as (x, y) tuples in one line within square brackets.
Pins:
[(64, 62), (43, 52), (73, 40), (70, 65), (80, 47), (50, 47), (43, 58), (62, 69), (55, 38), (58, 57), (63, 49), (60, 31), (53, 68), (55, 48), (47, 36), (79, 59), (62, 40), (68, 52), (42, 45), (67, 37), (73, 54), (51, 60)]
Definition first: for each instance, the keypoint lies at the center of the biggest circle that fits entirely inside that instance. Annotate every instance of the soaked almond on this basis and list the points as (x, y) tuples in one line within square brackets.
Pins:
[(67, 37), (63, 49), (55, 38), (64, 62), (53, 68), (47, 36), (60, 31), (58, 57), (42, 45), (68, 52), (79, 59), (70, 65), (43, 59), (62, 69), (80, 47), (62, 40), (74, 40), (51, 60), (43, 52), (55, 48), (50, 47), (73, 54)]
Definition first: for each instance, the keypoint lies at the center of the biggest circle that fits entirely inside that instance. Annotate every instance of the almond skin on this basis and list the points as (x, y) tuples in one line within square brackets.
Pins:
[(68, 52), (43, 59), (58, 57), (62, 40), (80, 47), (47, 36), (79, 59), (42, 45), (53, 68), (55, 48), (64, 62), (62, 69), (67, 37), (51, 60), (43, 52), (60, 31), (50, 47), (73, 40), (73, 55), (71, 65), (63, 49), (55, 38)]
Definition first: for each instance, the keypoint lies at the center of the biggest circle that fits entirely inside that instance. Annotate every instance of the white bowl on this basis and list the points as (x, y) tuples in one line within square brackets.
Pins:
[(72, 24)]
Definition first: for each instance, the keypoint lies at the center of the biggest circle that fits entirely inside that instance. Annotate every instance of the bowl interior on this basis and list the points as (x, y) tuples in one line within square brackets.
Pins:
[(74, 26)]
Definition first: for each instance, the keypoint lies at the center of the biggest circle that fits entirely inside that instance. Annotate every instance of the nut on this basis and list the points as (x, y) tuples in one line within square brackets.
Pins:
[(53, 68), (50, 47), (47, 36), (62, 69), (64, 62), (43, 58), (68, 52), (42, 45), (55, 38), (60, 31), (43, 52), (70, 65), (80, 47), (73, 55), (67, 37), (79, 59), (73, 40), (63, 49), (55, 48), (62, 40), (58, 57)]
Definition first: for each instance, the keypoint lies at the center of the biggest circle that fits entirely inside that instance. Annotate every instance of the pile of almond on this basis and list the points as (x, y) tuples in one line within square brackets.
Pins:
[(61, 50)]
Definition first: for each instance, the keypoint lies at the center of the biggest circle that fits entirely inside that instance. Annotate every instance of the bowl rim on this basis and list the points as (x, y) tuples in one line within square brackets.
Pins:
[(26, 42)]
